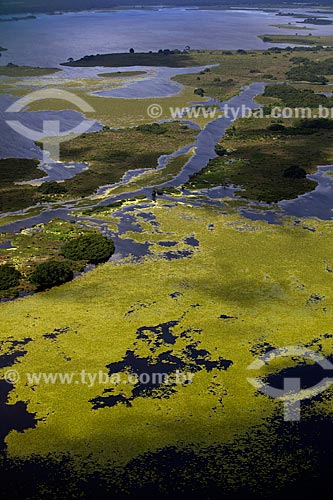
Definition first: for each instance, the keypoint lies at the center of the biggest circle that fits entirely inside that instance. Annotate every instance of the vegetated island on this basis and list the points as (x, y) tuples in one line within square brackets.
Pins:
[(290, 27), (164, 57), (298, 15), (323, 41), (122, 74), (316, 20), (2, 49)]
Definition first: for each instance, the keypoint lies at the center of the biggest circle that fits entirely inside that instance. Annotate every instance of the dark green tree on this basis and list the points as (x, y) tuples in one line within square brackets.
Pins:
[(51, 187), (51, 273), (294, 172), (220, 150), (9, 277), (276, 127), (200, 92), (93, 248)]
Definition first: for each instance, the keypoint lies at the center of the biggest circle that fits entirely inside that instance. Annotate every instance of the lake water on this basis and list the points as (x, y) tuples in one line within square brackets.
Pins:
[(50, 40)]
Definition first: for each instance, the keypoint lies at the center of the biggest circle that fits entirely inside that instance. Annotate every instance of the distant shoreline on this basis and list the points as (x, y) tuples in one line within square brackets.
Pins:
[(61, 7), (14, 19)]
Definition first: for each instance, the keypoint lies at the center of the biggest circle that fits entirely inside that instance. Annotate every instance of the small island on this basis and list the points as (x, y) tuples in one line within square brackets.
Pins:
[(175, 58), (122, 74), (309, 39), (317, 20)]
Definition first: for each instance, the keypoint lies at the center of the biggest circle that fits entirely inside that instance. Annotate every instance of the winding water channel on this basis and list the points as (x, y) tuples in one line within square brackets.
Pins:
[(317, 203)]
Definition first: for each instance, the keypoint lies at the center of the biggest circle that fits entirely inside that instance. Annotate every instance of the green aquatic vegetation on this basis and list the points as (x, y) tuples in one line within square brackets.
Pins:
[(224, 291), (101, 212), (256, 275)]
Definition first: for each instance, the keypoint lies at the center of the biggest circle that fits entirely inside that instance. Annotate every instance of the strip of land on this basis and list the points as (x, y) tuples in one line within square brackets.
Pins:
[(290, 27), (122, 74), (23, 71), (324, 41), (166, 58)]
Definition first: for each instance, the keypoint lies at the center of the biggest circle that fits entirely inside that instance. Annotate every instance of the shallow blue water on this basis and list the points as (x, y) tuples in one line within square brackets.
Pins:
[(155, 84), (317, 203), (15, 145)]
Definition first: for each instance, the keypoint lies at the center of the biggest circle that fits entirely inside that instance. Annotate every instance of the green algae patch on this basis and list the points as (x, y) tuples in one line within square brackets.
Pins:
[(246, 285)]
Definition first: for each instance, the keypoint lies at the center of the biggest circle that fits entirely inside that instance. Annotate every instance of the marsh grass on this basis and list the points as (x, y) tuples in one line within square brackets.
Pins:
[(259, 156), (111, 153)]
